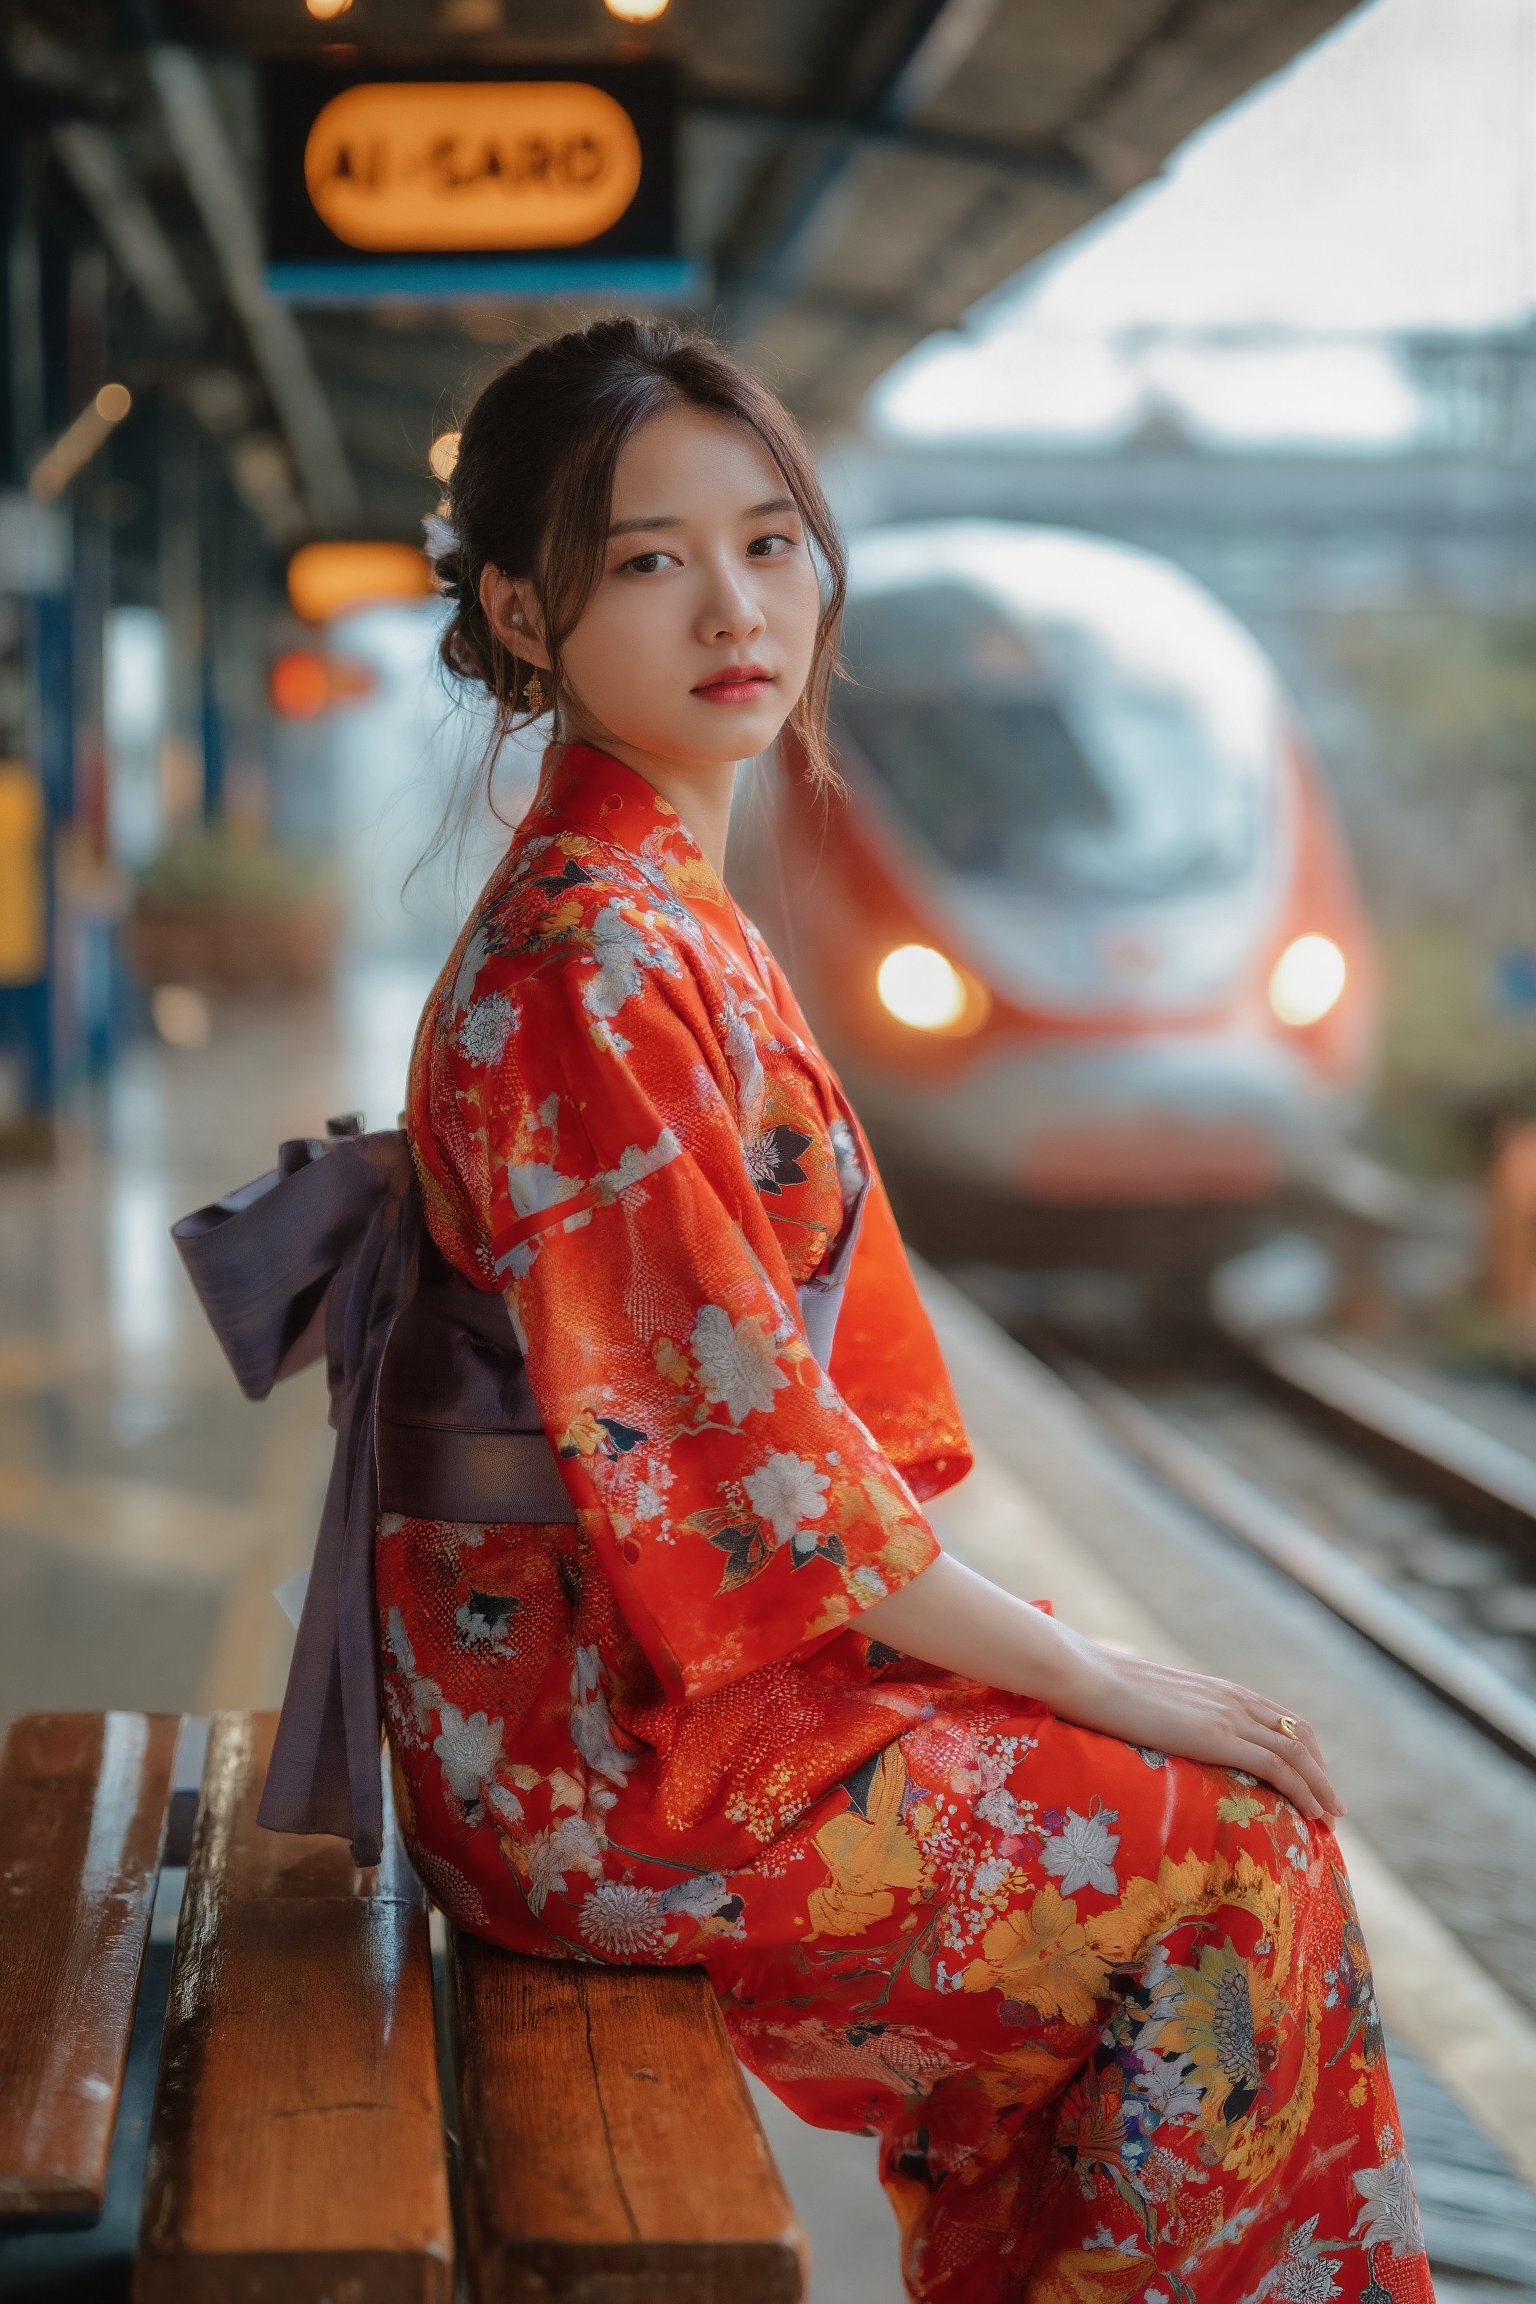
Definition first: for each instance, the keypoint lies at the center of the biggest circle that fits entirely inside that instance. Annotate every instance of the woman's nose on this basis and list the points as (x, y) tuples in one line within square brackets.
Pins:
[(732, 610)]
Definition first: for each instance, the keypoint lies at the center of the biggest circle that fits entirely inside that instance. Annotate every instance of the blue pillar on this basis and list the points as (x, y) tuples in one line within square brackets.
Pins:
[(29, 624), (212, 725)]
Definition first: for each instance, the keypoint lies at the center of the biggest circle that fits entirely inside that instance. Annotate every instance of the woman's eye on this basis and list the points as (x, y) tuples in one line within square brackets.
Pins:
[(646, 563), (762, 547)]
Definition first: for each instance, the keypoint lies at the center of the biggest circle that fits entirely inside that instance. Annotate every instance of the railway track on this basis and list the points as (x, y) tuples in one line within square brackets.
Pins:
[(1410, 1521)]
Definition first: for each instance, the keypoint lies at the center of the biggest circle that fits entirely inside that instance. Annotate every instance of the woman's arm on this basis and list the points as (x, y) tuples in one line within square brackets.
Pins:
[(949, 1616)]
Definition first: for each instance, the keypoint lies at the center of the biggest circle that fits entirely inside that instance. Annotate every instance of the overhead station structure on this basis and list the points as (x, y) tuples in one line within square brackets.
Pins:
[(254, 251)]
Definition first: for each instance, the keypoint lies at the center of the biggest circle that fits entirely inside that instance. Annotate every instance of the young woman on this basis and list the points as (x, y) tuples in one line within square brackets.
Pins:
[(1069, 1931)]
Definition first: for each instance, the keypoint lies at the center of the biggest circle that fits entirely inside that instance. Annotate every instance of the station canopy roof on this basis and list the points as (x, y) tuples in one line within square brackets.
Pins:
[(854, 174)]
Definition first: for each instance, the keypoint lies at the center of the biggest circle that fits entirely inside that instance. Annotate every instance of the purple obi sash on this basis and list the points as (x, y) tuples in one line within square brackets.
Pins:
[(430, 1403)]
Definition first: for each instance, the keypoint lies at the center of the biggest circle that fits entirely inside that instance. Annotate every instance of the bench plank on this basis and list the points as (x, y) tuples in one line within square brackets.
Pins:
[(610, 2148), (83, 1800), (296, 2150)]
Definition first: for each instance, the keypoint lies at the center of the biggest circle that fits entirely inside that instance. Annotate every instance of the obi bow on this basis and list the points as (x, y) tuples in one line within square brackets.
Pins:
[(321, 1254)]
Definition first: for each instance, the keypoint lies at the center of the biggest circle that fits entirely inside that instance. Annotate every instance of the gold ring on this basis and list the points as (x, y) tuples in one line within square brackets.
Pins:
[(1286, 1724)]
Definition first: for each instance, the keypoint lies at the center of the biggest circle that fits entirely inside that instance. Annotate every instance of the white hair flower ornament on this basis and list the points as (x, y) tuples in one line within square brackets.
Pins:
[(442, 539)]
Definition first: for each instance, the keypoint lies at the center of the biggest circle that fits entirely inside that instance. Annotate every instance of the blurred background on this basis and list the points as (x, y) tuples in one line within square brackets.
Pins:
[(1173, 373)]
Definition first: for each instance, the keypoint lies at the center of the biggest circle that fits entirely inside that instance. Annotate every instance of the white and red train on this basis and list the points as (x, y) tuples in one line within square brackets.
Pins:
[(1082, 936)]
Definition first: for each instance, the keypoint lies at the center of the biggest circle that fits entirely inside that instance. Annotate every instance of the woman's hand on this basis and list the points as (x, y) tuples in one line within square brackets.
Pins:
[(950, 1616), (1198, 1718)]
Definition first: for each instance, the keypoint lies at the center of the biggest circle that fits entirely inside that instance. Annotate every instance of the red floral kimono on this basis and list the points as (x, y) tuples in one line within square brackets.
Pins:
[(1108, 2011)]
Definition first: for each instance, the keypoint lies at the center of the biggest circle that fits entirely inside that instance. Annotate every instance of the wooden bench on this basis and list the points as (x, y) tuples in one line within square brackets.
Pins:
[(599, 2144)]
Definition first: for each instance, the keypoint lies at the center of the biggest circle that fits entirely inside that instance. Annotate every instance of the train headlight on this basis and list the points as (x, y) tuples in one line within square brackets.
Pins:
[(1307, 979), (918, 986)]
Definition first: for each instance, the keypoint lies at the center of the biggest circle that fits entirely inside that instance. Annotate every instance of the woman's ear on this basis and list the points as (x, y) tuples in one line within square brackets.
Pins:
[(512, 613)]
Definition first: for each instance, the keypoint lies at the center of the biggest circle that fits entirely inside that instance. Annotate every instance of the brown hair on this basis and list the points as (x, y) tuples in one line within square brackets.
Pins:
[(532, 489)]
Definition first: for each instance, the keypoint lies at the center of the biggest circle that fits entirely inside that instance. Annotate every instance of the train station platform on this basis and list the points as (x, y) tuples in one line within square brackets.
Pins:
[(147, 1513)]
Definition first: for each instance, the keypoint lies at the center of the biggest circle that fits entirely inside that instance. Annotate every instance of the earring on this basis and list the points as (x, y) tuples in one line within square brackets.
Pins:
[(533, 695)]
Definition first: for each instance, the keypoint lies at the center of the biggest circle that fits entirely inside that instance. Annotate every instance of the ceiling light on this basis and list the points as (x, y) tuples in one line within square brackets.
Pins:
[(443, 455), (299, 685), (325, 10), (304, 683), (636, 11), (68, 456), (1307, 980)]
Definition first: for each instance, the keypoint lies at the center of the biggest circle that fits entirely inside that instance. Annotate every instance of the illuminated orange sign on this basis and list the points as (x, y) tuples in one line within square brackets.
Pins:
[(304, 683), (435, 164), (325, 580)]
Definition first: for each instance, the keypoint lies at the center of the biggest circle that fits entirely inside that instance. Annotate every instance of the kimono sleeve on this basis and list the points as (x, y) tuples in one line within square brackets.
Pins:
[(740, 1507)]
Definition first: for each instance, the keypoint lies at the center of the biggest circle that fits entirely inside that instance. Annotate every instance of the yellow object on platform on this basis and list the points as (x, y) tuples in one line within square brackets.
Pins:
[(23, 894)]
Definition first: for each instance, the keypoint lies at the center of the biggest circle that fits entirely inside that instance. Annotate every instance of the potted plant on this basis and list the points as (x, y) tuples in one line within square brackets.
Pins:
[(224, 913)]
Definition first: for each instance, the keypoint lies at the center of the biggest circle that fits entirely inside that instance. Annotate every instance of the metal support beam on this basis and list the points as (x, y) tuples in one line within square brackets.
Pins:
[(935, 42), (1050, 164), (128, 225), (201, 144), (941, 47)]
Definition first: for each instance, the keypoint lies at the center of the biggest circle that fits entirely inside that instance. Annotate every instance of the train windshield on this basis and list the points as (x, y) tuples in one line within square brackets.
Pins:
[(1037, 754)]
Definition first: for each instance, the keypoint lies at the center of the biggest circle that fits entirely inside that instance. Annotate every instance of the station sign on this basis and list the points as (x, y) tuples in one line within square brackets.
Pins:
[(327, 579), (306, 683), (428, 183)]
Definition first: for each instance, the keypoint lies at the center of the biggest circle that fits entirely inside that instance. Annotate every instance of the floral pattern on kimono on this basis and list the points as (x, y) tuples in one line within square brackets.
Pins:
[(1108, 2011)]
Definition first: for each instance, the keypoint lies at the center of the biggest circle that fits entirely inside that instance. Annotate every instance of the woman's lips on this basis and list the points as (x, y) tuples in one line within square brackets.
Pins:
[(742, 688)]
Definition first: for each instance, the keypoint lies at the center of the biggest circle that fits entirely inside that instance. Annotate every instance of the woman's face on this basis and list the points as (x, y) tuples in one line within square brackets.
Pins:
[(707, 573)]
